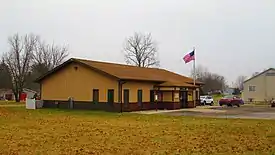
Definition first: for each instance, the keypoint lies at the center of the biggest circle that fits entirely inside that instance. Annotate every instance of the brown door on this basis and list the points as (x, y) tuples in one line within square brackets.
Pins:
[(183, 99)]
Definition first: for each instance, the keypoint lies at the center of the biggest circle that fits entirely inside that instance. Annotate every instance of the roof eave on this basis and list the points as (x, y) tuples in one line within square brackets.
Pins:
[(142, 80), (39, 79), (258, 74)]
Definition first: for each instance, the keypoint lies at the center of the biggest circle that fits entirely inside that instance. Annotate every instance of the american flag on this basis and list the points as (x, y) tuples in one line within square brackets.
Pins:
[(189, 57)]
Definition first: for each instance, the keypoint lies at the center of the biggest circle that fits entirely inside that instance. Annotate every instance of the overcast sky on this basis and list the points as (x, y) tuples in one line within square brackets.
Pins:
[(232, 37)]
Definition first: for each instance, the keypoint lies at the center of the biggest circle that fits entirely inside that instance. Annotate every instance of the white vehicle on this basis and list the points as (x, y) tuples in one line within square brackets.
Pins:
[(207, 100)]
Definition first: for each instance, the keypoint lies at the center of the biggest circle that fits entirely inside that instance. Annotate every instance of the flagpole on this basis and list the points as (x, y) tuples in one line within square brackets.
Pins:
[(194, 77)]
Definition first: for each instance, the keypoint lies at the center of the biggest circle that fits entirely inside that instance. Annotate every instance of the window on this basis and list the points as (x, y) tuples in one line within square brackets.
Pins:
[(209, 97), (126, 97), (95, 96), (251, 88), (270, 74), (139, 97), (202, 97), (110, 96)]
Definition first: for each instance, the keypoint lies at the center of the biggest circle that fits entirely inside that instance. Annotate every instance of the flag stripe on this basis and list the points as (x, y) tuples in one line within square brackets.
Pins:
[(189, 57)]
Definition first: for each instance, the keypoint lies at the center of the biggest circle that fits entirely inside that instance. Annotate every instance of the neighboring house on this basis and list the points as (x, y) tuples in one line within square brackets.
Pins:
[(7, 94), (213, 92), (260, 87), (115, 87), (228, 91)]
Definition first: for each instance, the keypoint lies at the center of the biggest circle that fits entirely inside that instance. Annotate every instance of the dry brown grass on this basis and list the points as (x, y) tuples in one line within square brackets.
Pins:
[(81, 132), (3, 102)]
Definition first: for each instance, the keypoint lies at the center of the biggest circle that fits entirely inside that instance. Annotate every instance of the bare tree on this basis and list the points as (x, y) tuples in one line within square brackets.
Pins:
[(5, 81), (212, 81), (19, 59), (49, 56), (240, 81), (140, 50), (45, 57)]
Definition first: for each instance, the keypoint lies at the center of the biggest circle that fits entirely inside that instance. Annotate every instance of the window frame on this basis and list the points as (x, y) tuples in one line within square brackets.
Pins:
[(252, 90)]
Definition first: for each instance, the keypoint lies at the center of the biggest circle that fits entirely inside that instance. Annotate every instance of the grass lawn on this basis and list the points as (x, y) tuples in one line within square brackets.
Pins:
[(216, 99), (48, 131), (2, 102)]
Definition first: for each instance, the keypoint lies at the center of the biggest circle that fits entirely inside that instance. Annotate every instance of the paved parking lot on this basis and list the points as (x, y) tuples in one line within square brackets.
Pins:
[(246, 111)]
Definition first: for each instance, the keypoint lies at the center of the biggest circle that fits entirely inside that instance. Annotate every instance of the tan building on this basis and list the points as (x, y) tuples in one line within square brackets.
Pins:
[(260, 87), (115, 87)]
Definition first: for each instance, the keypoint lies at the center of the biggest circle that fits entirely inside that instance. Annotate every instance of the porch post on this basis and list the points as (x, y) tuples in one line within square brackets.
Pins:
[(120, 84), (194, 97)]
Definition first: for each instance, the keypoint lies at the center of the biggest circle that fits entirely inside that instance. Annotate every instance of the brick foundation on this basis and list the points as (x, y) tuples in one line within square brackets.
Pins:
[(115, 107)]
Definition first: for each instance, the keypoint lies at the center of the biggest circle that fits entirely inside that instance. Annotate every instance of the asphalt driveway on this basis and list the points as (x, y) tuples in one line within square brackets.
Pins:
[(246, 111)]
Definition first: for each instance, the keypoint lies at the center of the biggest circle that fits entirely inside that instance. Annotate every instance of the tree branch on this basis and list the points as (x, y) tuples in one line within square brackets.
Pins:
[(141, 51)]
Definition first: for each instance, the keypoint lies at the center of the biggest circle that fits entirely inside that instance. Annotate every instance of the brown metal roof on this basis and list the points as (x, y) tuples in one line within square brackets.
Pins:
[(127, 72)]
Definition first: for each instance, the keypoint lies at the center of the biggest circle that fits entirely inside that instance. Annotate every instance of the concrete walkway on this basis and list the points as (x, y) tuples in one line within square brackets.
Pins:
[(202, 109), (244, 112)]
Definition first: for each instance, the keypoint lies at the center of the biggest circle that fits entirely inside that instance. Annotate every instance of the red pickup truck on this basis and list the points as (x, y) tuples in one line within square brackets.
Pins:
[(231, 101)]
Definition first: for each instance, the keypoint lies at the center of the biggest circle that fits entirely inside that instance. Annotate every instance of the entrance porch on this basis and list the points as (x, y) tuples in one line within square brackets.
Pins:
[(176, 97)]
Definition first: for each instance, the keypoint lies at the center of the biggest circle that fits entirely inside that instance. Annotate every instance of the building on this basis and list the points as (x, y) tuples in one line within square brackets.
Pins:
[(7, 94), (115, 87), (260, 87), (228, 91)]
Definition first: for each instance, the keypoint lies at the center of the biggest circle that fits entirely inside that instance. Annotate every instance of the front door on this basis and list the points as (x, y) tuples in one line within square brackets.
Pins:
[(126, 97), (183, 99), (197, 98)]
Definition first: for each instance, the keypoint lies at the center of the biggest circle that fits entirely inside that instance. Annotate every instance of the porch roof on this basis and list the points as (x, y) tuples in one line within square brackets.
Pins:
[(177, 84)]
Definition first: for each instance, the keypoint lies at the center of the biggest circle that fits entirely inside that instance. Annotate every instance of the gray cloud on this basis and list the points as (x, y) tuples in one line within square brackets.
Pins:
[(232, 37)]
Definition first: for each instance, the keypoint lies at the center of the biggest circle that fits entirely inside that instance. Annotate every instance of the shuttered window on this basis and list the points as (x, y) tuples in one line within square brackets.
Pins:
[(139, 97)]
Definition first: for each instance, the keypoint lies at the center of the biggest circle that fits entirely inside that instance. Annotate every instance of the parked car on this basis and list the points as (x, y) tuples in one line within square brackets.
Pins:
[(206, 100), (231, 100)]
